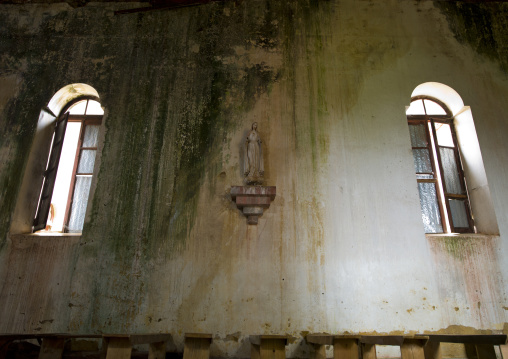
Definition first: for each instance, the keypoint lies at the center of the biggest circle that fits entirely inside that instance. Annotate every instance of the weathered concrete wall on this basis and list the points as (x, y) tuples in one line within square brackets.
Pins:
[(342, 247)]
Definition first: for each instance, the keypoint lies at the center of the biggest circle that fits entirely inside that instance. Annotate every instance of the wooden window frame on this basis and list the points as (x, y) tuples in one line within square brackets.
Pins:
[(40, 220), (85, 120), (435, 156)]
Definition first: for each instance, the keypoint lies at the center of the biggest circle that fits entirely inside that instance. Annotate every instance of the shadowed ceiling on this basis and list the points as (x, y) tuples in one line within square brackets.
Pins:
[(150, 4)]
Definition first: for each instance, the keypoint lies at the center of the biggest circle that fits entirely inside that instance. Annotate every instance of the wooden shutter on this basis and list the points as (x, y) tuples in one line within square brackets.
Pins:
[(48, 184)]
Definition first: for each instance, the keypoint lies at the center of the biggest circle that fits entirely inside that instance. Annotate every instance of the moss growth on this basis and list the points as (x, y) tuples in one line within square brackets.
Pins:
[(482, 26), (18, 125), (458, 247), (168, 120)]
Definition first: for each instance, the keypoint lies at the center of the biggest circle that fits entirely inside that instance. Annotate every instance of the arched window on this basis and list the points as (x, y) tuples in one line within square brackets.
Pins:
[(68, 176), (442, 186)]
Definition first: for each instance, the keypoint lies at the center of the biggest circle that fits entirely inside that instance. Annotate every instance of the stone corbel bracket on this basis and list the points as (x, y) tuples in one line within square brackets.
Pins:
[(253, 200)]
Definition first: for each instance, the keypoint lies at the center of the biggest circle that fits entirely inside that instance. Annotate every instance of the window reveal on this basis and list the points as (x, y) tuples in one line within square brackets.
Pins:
[(441, 184)]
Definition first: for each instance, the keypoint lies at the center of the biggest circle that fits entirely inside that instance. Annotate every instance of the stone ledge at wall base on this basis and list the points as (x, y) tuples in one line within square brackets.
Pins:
[(197, 345), (253, 200)]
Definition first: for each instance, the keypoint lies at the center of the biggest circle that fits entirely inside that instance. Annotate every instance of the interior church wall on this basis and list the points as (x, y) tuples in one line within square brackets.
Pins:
[(342, 246)]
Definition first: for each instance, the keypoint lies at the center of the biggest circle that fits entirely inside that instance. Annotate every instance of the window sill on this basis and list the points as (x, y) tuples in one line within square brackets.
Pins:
[(35, 242), (461, 235), (45, 236)]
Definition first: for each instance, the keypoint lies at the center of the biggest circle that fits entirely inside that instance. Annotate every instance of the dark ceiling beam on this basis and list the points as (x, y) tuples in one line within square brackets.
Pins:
[(168, 5)]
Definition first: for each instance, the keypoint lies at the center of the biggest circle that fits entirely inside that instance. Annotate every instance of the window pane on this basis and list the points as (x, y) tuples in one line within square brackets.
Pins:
[(79, 201), (433, 108), (78, 108), (444, 135), (86, 161), (64, 175), (91, 135), (420, 176), (459, 214), (451, 174), (430, 208), (416, 108), (422, 161), (418, 135), (94, 108)]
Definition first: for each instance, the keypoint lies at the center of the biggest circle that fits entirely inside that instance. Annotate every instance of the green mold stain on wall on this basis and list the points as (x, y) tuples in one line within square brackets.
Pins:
[(222, 93), (481, 26), (177, 89), (171, 117), (459, 247), (18, 122)]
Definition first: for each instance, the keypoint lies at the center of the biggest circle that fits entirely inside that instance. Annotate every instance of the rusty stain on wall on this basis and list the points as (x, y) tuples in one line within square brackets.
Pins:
[(472, 278)]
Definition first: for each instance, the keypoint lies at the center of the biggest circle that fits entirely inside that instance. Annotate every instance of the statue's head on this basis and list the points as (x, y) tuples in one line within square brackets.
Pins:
[(255, 126)]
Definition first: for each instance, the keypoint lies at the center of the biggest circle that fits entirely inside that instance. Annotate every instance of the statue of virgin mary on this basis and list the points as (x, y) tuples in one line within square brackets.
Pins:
[(253, 158)]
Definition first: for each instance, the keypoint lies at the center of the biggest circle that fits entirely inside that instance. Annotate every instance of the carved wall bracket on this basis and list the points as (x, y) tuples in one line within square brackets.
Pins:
[(253, 200)]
